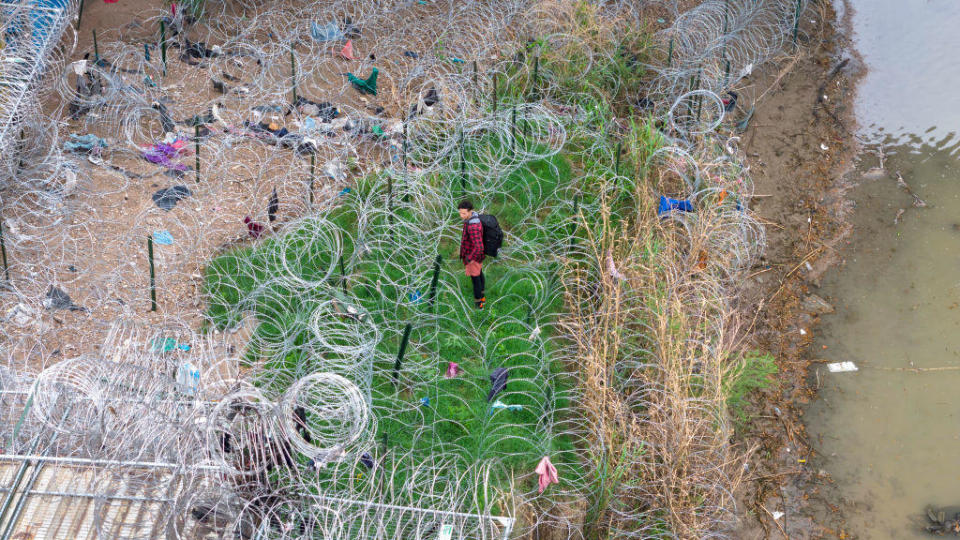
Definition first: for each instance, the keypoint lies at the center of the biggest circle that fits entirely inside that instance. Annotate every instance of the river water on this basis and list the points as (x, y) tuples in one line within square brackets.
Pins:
[(889, 433)]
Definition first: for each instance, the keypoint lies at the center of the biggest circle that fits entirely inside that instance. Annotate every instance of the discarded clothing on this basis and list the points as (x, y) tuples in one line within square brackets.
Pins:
[(273, 206), (367, 460), (58, 299), (368, 86), (498, 382), (432, 97), (163, 238), (80, 144), (328, 32), (411, 54), (547, 474), (730, 101), (347, 51), (166, 121), (163, 153), (453, 369), (255, 229), (668, 205), (167, 198), (198, 50)]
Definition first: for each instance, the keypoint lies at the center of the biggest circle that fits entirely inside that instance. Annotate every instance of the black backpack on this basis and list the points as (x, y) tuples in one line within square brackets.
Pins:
[(492, 235)]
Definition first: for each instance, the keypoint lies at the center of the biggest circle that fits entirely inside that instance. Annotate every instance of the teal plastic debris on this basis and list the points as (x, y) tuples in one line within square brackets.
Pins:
[(425, 402), (162, 345), (499, 405), (84, 143), (183, 347), (368, 86), (329, 32), (344, 192), (416, 297), (163, 238)]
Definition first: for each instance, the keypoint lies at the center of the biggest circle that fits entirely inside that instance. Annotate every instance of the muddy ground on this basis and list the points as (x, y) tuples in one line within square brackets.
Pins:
[(800, 145)]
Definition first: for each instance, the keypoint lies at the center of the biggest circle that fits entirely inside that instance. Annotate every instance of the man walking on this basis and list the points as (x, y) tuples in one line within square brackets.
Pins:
[(471, 249)]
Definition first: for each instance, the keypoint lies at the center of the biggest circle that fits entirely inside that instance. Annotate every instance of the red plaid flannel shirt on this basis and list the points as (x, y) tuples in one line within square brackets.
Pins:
[(471, 242)]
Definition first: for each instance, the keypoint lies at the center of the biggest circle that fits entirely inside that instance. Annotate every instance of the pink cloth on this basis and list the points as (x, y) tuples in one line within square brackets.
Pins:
[(452, 370), (547, 472), (347, 50)]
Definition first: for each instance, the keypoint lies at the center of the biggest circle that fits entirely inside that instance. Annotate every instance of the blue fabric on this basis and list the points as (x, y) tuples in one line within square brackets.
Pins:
[(668, 205), (83, 143), (163, 238), (329, 32)]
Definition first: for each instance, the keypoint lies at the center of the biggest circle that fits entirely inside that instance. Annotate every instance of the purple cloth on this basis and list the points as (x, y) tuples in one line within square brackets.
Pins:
[(161, 154)]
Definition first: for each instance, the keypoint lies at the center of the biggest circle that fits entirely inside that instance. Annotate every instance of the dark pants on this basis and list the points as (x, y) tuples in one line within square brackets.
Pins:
[(479, 282)]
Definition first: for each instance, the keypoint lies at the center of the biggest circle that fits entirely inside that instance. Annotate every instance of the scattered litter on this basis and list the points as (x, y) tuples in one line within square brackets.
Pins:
[(163, 238), (58, 299), (776, 515), (816, 305), (841, 367), (21, 315), (82, 144), (746, 71), (803, 332), (167, 198), (824, 147), (535, 333), (918, 202), (328, 32), (547, 474), (162, 345), (498, 405), (896, 219), (424, 402), (411, 54), (498, 382), (453, 369), (612, 268), (188, 377), (324, 110), (334, 169), (416, 297), (367, 460)]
